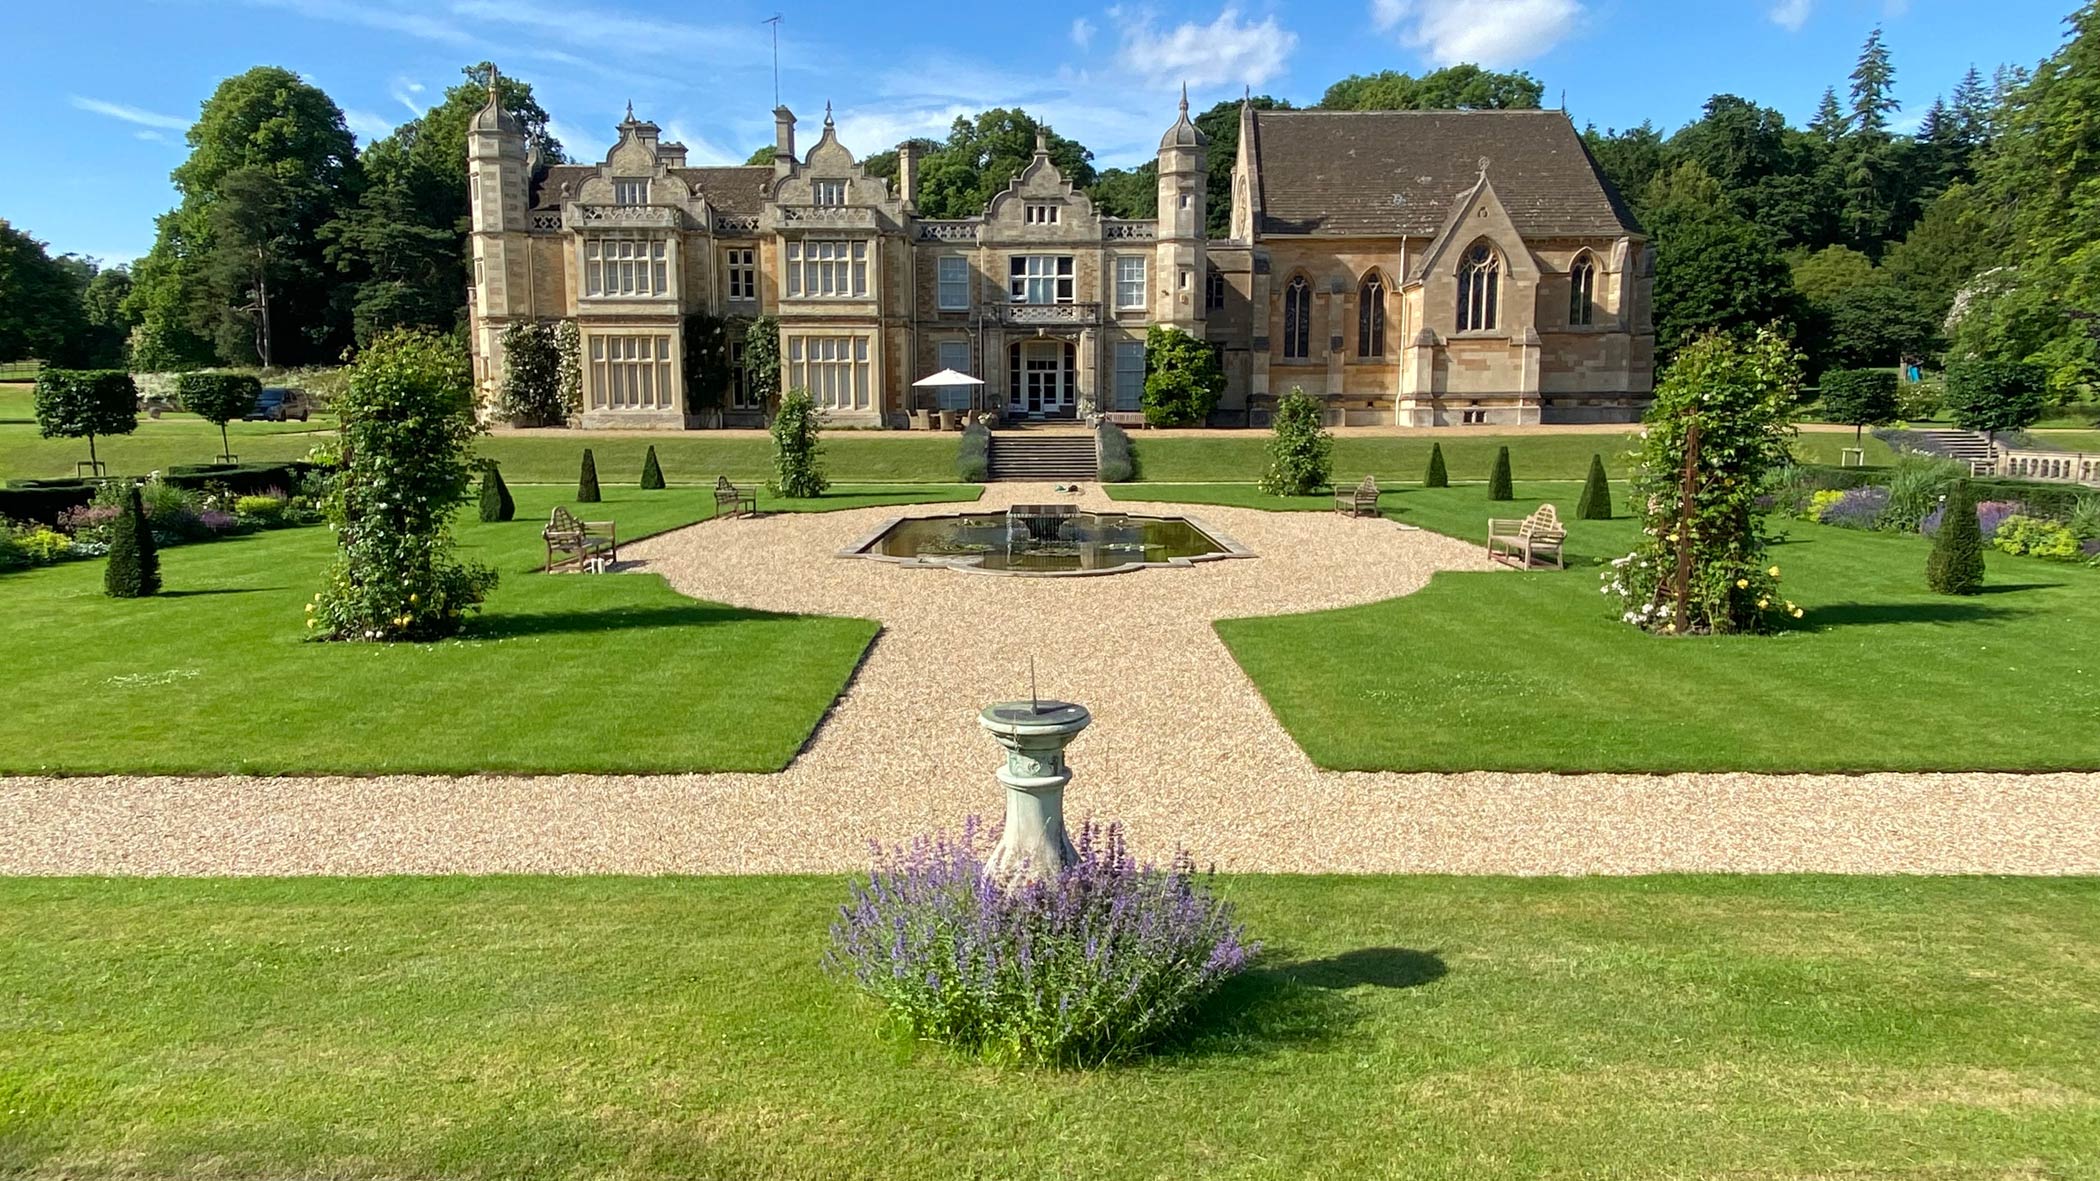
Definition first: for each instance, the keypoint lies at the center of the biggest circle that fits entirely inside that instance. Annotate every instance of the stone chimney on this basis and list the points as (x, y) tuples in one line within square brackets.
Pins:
[(783, 135), (908, 172), (672, 154)]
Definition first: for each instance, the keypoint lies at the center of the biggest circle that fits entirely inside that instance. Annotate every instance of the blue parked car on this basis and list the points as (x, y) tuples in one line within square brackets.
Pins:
[(277, 403)]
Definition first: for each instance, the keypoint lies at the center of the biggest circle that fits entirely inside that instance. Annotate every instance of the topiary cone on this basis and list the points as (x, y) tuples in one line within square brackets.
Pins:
[(1595, 504), (1955, 566), (133, 571), (587, 481), (1499, 485), (1437, 477), (652, 475), (496, 502)]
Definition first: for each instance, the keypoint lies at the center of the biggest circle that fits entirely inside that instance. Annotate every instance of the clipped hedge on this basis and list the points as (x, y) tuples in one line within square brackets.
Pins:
[(1117, 463), (973, 455), (43, 501), (241, 479)]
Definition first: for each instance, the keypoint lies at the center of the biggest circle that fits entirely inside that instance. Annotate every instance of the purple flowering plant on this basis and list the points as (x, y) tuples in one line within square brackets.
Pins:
[(1092, 965), (1989, 515)]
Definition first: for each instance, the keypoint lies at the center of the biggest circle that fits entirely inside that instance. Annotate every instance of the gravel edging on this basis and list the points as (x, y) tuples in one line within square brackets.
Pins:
[(901, 751)]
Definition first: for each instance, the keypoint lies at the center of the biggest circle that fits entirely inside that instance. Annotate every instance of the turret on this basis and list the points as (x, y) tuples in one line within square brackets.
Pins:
[(499, 175), (497, 172), (1179, 268)]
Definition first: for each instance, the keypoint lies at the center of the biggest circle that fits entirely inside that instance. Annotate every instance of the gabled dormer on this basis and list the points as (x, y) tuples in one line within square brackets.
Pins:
[(1040, 205)]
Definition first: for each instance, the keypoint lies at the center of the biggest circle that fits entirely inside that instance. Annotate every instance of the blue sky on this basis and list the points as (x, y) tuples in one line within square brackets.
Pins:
[(98, 92)]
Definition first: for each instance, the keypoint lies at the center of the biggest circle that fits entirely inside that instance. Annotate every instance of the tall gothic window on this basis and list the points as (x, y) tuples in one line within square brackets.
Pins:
[(1370, 316), (1297, 318), (1479, 289), (1582, 292)]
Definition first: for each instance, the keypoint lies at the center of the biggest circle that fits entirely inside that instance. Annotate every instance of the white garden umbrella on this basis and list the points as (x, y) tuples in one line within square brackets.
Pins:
[(949, 379)]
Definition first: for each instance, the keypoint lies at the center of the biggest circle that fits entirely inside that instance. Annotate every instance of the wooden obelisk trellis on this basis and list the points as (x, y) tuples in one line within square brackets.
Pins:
[(1686, 509)]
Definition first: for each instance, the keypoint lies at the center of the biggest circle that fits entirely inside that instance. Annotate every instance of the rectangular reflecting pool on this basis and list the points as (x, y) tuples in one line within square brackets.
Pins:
[(1045, 539)]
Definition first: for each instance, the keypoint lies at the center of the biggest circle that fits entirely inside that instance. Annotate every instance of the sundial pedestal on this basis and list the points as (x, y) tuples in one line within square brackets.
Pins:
[(1034, 845)]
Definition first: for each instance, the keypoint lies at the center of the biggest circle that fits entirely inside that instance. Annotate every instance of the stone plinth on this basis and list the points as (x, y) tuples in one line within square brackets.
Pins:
[(1034, 844)]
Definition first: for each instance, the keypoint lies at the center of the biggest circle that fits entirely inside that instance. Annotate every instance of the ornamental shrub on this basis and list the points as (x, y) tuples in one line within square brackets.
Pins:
[(1595, 504), (265, 512), (217, 398), (407, 419), (1994, 396), (1738, 393), (84, 403), (798, 467), (1301, 451), (652, 473), (1437, 476), (42, 546), (1095, 964), (1955, 566), (762, 361), (133, 569), (1860, 398), (1182, 378), (2035, 538), (1499, 485), (1112, 445), (587, 480), (1917, 484), (532, 367), (495, 501), (973, 454)]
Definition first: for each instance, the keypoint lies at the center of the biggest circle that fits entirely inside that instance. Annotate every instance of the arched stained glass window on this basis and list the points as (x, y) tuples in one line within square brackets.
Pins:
[(1582, 291), (1479, 289), (1297, 318), (1370, 316)]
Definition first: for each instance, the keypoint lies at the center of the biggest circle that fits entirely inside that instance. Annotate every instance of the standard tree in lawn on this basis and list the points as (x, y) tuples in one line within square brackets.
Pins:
[(1994, 396), (1860, 398), (218, 398), (407, 417), (77, 403), (1718, 427)]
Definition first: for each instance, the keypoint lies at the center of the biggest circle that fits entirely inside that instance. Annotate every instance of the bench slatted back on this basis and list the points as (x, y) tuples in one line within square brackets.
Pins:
[(562, 522), (1545, 522)]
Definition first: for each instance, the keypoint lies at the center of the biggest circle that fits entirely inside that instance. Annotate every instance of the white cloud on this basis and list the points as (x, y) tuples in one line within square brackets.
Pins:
[(375, 15), (1791, 14), (1227, 49), (150, 136), (699, 150), (1494, 33), (130, 114), (618, 30), (1083, 33), (367, 125), (404, 91)]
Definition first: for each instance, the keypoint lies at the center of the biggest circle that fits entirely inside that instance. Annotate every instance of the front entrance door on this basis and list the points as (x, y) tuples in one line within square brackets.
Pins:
[(1045, 379)]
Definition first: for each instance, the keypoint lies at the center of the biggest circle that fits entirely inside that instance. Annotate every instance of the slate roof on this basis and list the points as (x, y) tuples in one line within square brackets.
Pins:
[(1391, 173), (735, 189)]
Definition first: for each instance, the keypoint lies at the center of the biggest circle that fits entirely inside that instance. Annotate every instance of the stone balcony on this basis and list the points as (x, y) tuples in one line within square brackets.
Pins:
[(1049, 315), (662, 216), (822, 217)]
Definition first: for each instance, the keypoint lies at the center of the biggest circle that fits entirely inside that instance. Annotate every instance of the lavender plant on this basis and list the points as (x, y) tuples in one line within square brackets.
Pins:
[(1092, 965)]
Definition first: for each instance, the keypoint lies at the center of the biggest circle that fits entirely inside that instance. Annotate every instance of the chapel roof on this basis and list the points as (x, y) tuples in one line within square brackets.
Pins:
[(1392, 173), (735, 189)]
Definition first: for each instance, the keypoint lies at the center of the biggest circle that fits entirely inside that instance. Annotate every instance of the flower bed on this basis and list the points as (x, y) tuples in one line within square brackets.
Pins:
[(1097, 963)]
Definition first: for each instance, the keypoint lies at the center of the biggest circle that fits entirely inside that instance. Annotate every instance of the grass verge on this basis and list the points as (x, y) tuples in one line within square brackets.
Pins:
[(215, 676), (1474, 1028)]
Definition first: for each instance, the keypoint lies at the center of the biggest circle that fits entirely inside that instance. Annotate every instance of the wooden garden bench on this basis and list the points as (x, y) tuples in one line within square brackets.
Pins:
[(1519, 543), (737, 499), (579, 541), (1360, 502)]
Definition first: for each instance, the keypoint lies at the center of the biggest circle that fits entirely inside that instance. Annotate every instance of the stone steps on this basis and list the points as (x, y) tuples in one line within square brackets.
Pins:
[(1044, 458), (1967, 447)]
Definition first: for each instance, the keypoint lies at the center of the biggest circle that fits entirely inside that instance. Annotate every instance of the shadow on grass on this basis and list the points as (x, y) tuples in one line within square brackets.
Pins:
[(1867, 614), (220, 590), (516, 624), (1302, 1003), (2008, 588)]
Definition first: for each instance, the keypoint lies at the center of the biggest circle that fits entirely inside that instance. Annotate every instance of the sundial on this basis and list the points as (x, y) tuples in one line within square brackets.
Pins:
[(1035, 732)]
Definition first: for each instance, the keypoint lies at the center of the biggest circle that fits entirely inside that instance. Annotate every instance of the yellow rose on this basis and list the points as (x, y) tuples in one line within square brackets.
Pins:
[(309, 608), (1742, 584), (1797, 612), (1774, 572), (1763, 603)]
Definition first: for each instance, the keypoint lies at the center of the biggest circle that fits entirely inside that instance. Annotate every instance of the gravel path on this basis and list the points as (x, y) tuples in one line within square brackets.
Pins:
[(1183, 750)]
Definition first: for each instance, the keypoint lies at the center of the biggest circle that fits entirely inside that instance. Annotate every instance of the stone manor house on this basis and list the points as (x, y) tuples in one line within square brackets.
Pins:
[(1424, 268)]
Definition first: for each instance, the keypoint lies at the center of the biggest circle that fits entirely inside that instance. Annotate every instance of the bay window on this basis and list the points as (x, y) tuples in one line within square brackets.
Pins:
[(631, 373), (833, 369), (827, 269), (626, 267)]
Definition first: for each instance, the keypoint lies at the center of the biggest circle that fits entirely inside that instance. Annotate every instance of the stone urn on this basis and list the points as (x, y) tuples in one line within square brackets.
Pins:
[(1034, 844)]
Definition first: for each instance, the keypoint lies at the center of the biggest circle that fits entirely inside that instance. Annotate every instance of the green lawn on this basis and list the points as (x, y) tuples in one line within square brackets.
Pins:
[(1462, 1028), (2068, 440), (215, 677), (1533, 672), (1240, 456)]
